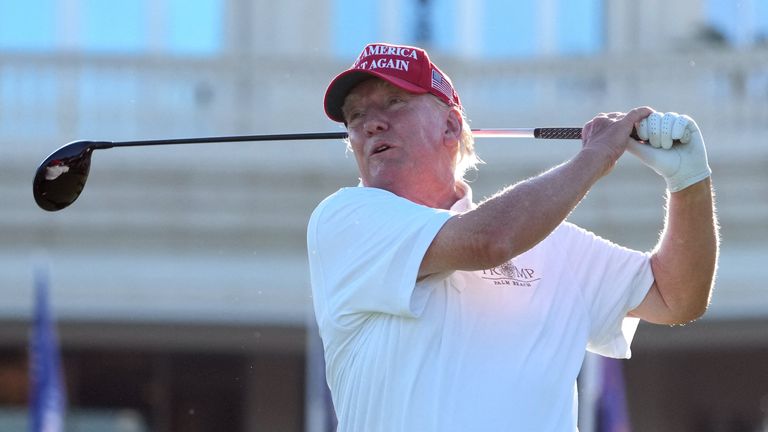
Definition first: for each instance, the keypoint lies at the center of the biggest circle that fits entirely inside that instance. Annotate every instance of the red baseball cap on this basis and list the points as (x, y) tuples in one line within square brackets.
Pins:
[(406, 67)]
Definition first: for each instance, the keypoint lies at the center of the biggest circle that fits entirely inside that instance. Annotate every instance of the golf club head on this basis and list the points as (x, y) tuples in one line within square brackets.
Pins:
[(61, 176)]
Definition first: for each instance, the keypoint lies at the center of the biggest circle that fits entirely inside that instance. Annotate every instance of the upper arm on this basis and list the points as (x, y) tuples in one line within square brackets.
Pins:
[(653, 308), (461, 244), (657, 308), (356, 240), (685, 260)]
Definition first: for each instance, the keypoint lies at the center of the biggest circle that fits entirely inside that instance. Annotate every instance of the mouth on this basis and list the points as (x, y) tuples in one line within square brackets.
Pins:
[(381, 148)]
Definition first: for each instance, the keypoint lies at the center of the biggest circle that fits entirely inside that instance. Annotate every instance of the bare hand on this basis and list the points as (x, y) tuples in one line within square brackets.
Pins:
[(607, 135)]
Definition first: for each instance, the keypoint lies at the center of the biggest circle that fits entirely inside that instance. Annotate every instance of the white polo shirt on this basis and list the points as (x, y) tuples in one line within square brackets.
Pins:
[(491, 350)]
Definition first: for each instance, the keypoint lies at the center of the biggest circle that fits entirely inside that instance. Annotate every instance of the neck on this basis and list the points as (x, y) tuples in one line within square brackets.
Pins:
[(443, 197)]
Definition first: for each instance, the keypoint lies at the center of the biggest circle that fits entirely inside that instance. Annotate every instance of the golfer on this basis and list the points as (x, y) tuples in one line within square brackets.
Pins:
[(438, 314)]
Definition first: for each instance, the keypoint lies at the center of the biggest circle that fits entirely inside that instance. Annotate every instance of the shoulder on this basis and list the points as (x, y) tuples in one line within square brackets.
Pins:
[(570, 229), (566, 233), (569, 232), (349, 200), (569, 235), (365, 201), (359, 194), (572, 242)]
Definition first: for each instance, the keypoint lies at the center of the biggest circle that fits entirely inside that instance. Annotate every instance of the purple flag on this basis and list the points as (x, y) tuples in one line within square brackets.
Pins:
[(612, 413), (47, 396)]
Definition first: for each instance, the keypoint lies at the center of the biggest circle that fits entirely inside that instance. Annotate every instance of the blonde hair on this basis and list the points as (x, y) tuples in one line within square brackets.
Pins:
[(468, 159)]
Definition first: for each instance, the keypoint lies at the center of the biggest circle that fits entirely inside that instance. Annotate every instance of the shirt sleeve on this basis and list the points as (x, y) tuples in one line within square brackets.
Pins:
[(613, 280), (365, 248)]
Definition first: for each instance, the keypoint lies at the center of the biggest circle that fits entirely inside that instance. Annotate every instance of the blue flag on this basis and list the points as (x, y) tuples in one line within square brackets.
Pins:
[(47, 396), (319, 412)]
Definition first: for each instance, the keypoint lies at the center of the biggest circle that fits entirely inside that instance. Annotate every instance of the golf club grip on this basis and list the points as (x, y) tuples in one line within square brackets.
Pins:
[(570, 133), (557, 133)]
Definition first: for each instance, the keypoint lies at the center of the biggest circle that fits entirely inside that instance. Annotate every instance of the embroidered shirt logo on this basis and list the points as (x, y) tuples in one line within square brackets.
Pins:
[(510, 274)]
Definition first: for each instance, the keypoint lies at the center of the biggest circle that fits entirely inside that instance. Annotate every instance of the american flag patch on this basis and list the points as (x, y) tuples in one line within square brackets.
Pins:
[(441, 84)]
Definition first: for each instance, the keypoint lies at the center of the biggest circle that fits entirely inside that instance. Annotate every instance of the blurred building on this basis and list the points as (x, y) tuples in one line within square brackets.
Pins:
[(179, 277)]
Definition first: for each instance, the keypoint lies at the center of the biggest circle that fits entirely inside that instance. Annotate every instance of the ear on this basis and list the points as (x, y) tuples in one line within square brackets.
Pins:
[(453, 126)]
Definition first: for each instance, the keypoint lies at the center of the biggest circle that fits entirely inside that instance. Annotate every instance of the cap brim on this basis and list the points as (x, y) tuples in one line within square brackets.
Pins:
[(340, 87)]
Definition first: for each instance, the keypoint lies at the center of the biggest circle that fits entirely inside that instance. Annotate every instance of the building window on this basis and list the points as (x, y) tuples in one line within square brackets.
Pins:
[(741, 23), (481, 28)]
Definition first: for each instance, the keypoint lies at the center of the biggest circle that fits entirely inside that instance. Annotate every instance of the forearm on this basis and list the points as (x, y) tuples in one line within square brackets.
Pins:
[(685, 260), (522, 215)]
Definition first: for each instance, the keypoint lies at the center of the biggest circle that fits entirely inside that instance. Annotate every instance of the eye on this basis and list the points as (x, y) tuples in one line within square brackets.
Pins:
[(353, 117), (395, 99)]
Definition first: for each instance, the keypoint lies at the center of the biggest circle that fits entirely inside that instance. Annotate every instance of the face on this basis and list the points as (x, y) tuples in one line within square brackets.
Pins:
[(403, 142)]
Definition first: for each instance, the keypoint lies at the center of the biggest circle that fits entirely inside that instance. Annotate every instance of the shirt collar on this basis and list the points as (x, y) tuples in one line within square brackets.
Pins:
[(465, 202)]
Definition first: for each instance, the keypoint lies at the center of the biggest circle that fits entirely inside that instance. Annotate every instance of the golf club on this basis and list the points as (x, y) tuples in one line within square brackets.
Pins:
[(61, 177)]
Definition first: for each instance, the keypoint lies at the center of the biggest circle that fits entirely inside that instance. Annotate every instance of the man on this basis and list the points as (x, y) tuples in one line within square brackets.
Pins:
[(437, 314)]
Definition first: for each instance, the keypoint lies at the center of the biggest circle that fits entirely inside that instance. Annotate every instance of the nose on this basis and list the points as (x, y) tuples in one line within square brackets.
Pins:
[(375, 122)]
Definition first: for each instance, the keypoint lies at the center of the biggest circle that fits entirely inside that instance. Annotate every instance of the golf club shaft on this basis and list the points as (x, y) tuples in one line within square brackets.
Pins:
[(540, 133), (60, 178)]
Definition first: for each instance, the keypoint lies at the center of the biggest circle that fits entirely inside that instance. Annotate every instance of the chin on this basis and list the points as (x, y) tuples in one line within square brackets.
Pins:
[(381, 181)]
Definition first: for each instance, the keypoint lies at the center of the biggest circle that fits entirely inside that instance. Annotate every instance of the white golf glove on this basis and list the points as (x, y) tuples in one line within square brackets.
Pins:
[(681, 164)]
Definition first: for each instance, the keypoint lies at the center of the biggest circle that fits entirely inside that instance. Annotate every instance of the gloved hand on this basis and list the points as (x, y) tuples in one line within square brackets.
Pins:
[(681, 164)]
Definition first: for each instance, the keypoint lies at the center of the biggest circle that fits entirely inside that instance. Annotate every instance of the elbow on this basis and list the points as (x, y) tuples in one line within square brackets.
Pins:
[(690, 309), (492, 251), (685, 295), (698, 307), (688, 315), (491, 247)]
